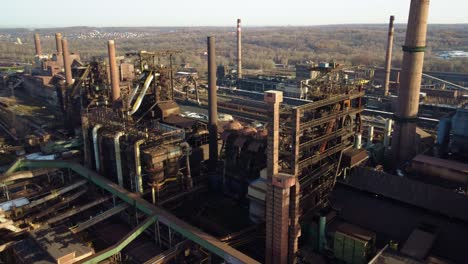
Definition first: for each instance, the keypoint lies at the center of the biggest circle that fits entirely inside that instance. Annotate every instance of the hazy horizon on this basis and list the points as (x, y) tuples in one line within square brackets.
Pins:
[(245, 26), (209, 13)]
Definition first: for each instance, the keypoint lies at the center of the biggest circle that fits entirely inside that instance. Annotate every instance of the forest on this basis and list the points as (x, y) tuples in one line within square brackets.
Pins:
[(263, 47)]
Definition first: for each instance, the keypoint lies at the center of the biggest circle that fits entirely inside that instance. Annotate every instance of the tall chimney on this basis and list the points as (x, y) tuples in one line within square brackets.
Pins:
[(212, 104), (114, 74), (279, 213), (239, 49), (404, 136), (67, 63), (58, 43), (388, 57), (37, 44)]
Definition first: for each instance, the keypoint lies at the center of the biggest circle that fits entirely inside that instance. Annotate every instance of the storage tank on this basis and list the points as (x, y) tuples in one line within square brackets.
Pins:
[(460, 123), (443, 131), (459, 140)]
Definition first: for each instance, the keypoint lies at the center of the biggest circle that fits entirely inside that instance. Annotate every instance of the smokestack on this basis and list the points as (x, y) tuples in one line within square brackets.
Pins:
[(239, 49), (67, 63), (279, 212), (114, 74), (37, 43), (404, 137), (388, 57), (212, 104), (58, 43)]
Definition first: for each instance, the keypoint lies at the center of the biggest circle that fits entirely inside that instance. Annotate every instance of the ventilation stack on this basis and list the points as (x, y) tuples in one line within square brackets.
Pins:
[(67, 63), (388, 57), (114, 74), (58, 44), (37, 44), (404, 136), (212, 105), (278, 207), (239, 50)]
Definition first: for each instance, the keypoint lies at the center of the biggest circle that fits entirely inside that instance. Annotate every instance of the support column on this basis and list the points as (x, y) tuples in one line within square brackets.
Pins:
[(404, 136), (294, 210)]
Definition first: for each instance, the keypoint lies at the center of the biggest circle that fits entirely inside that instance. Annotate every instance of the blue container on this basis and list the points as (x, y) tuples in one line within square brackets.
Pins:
[(460, 123), (443, 132)]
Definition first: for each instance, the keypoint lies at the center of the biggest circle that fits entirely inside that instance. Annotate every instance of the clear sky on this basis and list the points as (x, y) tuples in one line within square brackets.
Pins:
[(60, 13)]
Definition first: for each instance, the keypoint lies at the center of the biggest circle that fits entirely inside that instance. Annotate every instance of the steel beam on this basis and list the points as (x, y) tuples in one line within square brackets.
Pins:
[(328, 118), (103, 255), (55, 193), (54, 207), (328, 101), (76, 210), (99, 218)]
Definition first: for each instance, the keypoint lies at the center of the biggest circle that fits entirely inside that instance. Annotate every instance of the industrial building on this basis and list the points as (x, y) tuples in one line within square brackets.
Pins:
[(322, 167)]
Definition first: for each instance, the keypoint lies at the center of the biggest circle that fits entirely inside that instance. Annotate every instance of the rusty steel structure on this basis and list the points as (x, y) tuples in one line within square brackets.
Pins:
[(234, 176), (388, 56), (305, 146), (404, 136)]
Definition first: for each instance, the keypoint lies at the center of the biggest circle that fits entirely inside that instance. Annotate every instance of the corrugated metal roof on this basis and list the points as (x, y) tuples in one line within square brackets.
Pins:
[(443, 163), (412, 192)]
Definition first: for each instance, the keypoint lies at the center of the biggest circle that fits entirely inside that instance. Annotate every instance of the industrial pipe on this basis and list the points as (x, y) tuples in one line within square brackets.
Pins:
[(404, 138), (118, 157), (358, 141), (67, 63), (142, 94), (138, 177), (213, 105), (96, 145), (9, 178), (197, 96), (53, 208), (321, 236), (58, 44), (55, 193), (239, 49), (370, 137), (85, 134), (388, 57), (388, 132), (189, 182), (114, 74), (37, 44)]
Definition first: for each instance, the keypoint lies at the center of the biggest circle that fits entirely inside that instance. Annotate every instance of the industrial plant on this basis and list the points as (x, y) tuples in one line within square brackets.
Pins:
[(131, 159)]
